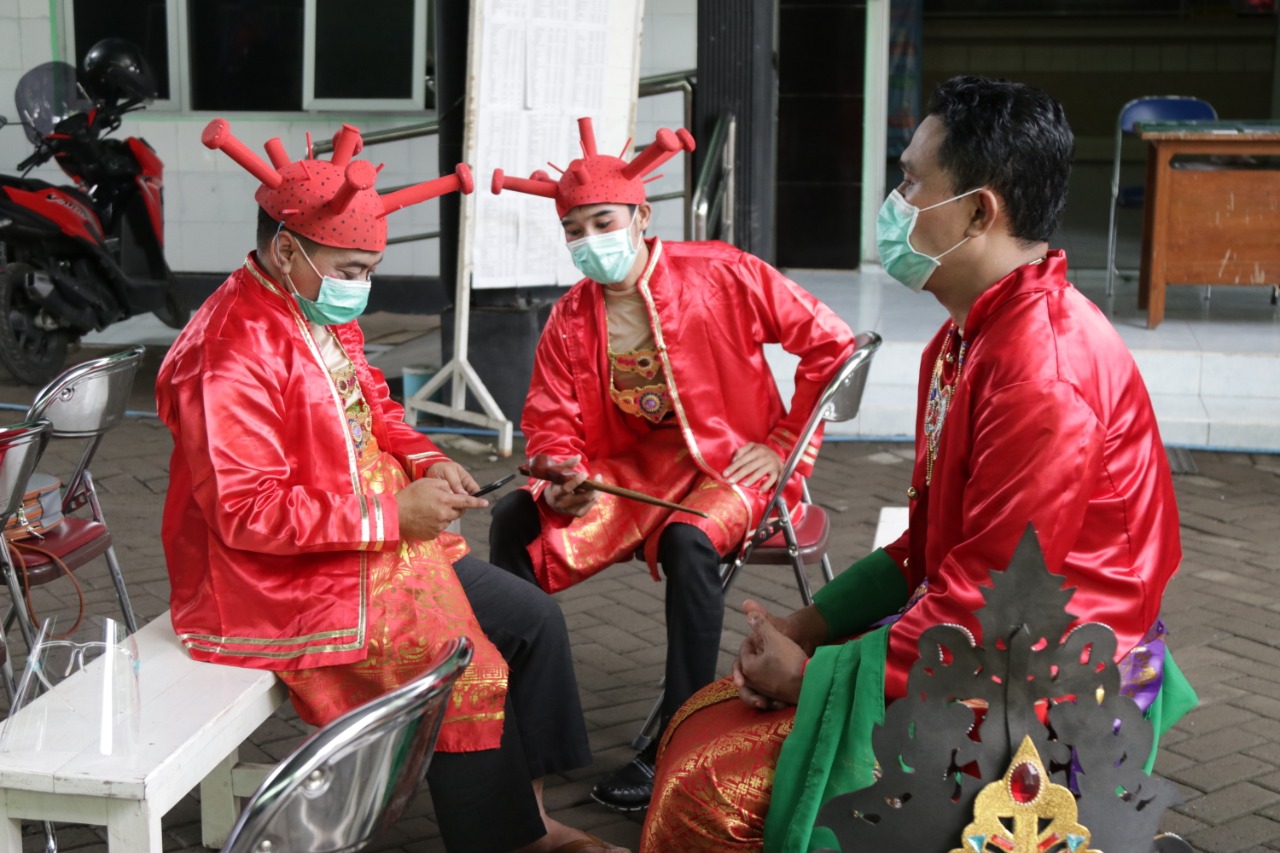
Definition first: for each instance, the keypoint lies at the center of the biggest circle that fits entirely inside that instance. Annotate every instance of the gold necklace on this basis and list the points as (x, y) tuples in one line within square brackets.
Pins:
[(938, 402)]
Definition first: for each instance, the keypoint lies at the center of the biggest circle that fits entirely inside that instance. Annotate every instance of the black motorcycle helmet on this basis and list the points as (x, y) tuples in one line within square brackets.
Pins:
[(115, 71)]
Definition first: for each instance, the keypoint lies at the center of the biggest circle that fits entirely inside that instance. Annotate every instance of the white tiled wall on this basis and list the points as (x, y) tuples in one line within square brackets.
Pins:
[(210, 214)]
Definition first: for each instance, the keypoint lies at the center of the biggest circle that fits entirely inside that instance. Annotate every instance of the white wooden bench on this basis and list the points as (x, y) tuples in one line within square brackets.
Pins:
[(893, 520), (194, 718)]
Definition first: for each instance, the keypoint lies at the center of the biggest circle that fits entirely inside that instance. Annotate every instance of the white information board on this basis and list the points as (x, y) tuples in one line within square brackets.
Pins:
[(534, 68)]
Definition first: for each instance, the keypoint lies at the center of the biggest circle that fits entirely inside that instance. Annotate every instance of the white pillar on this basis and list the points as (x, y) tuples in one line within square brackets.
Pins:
[(875, 124)]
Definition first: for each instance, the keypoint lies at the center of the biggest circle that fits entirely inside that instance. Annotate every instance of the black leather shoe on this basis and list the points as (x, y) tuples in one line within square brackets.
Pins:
[(628, 788)]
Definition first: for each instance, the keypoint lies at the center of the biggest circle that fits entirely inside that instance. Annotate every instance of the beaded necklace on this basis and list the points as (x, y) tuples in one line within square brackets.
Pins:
[(939, 401)]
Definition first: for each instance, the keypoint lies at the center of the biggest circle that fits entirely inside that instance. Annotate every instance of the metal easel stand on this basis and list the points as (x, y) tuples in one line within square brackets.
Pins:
[(462, 377)]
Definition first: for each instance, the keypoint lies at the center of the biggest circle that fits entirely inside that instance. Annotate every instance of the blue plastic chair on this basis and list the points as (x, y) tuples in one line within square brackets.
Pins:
[(1150, 108)]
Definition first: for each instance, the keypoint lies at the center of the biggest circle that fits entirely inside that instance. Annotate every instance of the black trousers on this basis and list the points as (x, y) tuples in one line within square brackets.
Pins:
[(694, 599), (484, 800)]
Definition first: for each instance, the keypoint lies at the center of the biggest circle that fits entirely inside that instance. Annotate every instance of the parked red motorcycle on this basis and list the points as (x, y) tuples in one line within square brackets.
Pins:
[(78, 258)]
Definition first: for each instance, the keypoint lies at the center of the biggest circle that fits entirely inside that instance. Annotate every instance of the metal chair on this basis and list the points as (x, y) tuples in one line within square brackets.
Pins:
[(353, 777), (1150, 108), (81, 404), (795, 536), (20, 448)]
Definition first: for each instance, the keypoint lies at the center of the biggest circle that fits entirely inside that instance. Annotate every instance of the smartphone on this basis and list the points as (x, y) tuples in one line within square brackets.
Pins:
[(493, 487)]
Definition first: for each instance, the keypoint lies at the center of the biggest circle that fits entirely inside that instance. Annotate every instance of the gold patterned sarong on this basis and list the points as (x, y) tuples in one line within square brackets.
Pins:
[(416, 604), (659, 465), (715, 774)]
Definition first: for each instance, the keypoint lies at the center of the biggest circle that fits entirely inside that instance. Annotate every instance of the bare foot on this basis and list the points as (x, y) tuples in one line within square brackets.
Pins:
[(558, 835)]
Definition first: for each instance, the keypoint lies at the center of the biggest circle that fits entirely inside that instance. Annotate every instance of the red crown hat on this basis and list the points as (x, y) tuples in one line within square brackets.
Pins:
[(596, 178), (332, 202)]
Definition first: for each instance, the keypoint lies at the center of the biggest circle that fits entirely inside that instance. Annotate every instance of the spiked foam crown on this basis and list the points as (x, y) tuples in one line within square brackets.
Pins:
[(596, 178), (332, 202)]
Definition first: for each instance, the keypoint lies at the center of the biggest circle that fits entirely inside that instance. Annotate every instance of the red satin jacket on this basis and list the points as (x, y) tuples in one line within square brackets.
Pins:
[(254, 484), (1050, 424), (712, 308)]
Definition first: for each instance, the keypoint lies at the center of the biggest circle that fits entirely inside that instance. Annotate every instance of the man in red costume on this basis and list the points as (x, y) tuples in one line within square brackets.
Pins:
[(651, 374), (304, 526), (1031, 409)]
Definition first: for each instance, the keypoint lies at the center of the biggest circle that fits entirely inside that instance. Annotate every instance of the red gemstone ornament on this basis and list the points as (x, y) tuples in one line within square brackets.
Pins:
[(1024, 783)]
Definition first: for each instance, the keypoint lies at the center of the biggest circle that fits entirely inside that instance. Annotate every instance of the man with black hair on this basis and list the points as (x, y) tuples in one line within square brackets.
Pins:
[(651, 374), (1047, 422), (305, 526)]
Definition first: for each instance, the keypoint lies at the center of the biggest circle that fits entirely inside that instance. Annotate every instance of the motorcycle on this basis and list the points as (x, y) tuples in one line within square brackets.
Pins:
[(74, 259)]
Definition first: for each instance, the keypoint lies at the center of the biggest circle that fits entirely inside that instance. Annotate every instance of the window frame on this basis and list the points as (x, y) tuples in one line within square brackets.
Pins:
[(66, 27), (180, 97), (311, 103)]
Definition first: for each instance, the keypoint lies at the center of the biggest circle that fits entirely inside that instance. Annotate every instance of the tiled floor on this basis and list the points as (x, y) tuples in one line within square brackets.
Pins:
[(1222, 610)]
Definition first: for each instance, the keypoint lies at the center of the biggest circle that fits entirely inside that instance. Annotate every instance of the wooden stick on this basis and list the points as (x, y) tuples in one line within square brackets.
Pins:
[(541, 468), (610, 488)]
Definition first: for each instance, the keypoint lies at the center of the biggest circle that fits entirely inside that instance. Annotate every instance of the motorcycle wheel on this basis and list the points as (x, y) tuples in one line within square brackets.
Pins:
[(32, 354), (175, 312)]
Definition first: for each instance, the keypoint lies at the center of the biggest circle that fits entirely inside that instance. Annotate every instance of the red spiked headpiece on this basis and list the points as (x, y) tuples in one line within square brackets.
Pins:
[(596, 178), (332, 202)]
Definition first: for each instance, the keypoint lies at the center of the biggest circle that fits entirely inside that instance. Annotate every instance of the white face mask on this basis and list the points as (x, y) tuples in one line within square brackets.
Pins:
[(894, 224)]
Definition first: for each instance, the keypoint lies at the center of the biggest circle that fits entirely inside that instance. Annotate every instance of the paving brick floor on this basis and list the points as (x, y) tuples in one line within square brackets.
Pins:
[(1223, 611)]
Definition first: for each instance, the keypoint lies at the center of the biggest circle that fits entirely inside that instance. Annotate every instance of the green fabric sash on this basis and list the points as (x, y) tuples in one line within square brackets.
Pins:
[(829, 750), (1175, 699), (867, 591)]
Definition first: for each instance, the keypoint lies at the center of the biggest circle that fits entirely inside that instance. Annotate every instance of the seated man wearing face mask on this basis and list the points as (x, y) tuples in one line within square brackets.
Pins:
[(1046, 421), (304, 526), (651, 374)]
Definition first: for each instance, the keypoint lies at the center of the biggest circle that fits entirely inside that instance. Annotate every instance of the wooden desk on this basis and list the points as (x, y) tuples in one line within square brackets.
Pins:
[(1208, 226)]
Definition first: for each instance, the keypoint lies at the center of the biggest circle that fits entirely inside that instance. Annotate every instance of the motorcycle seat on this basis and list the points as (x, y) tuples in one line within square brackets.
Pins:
[(35, 185)]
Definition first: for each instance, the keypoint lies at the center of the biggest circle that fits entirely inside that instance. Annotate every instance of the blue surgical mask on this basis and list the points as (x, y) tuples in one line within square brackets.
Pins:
[(340, 300), (894, 224), (605, 258)]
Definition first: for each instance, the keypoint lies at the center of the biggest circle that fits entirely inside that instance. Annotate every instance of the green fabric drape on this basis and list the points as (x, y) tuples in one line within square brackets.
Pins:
[(829, 750), (1175, 699), (869, 590)]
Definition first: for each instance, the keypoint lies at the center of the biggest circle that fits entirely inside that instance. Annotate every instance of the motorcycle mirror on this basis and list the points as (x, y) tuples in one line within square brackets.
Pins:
[(3, 120)]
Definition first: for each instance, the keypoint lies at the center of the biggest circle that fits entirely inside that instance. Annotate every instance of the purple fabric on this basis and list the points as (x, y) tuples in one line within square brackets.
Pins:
[(1142, 670)]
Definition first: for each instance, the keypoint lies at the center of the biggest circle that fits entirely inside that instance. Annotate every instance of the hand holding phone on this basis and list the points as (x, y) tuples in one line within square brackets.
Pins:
[(493, 487)]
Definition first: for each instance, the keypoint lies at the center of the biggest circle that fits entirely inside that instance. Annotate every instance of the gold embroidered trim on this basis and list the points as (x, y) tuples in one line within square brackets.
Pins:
[(478, 718), (713, 694), (362, 624), (260, 278), (282, 655), (380, 529), (689, 440)]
